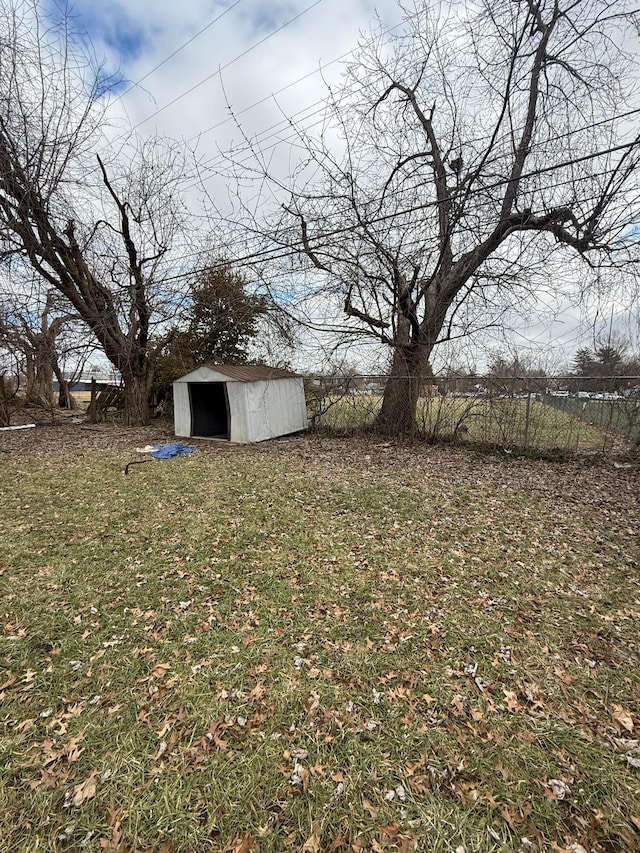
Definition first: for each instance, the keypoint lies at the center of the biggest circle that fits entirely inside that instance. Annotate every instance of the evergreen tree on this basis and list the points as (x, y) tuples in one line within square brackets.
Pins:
[(218, 326), (583, 363)]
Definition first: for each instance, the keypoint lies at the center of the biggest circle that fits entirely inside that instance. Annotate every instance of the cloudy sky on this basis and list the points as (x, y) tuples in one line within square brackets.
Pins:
[(177, 64), (177, 61), (178, 67)]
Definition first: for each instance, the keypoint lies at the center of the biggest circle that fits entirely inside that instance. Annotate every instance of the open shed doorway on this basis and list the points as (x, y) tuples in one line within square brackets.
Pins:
[(209, 409)]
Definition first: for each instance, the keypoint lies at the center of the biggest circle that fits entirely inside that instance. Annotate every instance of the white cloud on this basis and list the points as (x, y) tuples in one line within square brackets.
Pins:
[(319, 36)]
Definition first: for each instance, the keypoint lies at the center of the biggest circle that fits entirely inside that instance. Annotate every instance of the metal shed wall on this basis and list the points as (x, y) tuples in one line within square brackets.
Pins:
[(181, 409), (274, 407), (258, 410)]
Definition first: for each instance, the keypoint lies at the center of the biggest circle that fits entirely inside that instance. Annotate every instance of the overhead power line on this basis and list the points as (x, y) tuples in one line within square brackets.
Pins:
[(227, 64), (257, 103), (289, 86), (292, 250), (279, 252), (270, 131), (178, 50), (406, 247)]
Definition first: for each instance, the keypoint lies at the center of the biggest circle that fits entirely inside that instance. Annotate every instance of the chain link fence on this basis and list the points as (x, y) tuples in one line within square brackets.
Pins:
[(530, 414)]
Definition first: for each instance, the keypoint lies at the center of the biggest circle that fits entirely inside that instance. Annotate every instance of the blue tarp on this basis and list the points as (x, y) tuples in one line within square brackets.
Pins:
[(166, 451)]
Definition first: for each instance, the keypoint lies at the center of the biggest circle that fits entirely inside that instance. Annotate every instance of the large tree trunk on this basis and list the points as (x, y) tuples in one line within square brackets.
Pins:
[(66, 400), (136, 398), (409, 370), (39, 380), (7, 396)]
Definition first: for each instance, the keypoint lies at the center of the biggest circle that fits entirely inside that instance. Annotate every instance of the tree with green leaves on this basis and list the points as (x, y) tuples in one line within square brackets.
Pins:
[(583, 363), (223, 317), (220, 319), (608, 360)]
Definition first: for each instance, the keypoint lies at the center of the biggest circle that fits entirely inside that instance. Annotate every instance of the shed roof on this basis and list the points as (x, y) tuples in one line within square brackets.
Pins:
[(251, 372)]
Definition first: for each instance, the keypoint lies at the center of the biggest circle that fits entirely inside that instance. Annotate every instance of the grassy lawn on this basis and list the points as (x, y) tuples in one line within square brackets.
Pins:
[(316, 645), (620, 415), (502, 422)]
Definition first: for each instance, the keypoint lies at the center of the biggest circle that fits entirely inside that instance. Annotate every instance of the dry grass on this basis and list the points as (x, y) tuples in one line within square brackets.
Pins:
[(490, 421), (315, 645)]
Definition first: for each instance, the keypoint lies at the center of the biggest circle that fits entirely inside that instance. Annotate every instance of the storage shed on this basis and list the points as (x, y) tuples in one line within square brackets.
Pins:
[(241, 404)]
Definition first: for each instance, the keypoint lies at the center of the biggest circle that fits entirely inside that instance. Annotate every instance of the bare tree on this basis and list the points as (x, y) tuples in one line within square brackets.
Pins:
[(47, 340), (99, 230), (9, 385), (33, 340), (484, 156)]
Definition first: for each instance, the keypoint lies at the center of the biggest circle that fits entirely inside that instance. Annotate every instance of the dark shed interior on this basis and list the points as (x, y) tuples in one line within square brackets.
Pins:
[(209, 409)]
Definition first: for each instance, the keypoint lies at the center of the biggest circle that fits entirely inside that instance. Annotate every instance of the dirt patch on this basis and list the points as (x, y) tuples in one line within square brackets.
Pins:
[(604, 480), (68, 433)]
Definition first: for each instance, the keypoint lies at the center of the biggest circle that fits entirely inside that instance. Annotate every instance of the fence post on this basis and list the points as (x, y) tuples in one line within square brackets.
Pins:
[(527, 421)]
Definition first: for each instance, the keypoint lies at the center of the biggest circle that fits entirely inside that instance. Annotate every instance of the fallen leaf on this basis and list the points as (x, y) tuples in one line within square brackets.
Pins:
[(338, 842), (10, 680), (558, 789), (511, 699), (112, 845), (622, 717), (509, 818), (372, 811), (159, 671), (85, 790), (313, 843), (214, 733), (564, 676), (258, 691), (242, 843)]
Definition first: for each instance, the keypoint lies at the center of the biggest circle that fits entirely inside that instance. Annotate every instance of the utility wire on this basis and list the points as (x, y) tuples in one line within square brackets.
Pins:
[(220, 158), (177, 50), (285, 250), (289, 86), (259, 138), (291, 250), (198, 180), (227, 65)]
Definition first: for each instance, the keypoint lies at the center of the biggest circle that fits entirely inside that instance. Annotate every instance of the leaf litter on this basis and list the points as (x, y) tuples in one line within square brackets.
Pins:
[(450, 655)]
